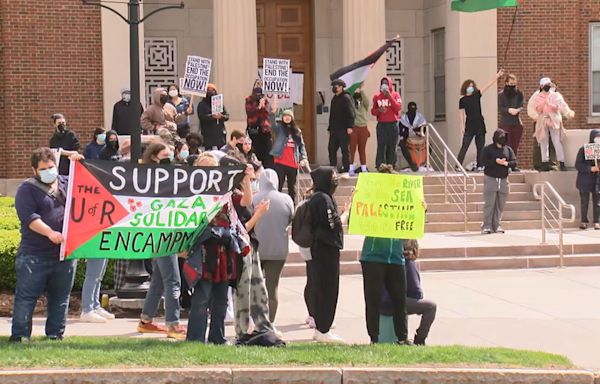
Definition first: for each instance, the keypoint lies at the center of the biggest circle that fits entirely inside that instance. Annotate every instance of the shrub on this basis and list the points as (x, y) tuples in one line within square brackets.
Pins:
[(9, 243)]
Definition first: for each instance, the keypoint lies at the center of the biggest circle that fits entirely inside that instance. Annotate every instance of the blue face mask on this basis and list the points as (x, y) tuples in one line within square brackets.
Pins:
[(184, 154), (470, 90), (48, 176), (101, 138), (171, 157)]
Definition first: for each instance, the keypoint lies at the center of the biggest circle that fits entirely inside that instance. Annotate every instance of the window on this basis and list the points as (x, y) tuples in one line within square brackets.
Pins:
[(595, 68), (439, 73)]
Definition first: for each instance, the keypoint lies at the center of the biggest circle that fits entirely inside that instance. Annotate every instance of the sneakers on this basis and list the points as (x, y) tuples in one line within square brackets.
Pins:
[(352, 172), (596, 226), (563, 167), (327, 338), (150, 328), (19, 339), (91, 317), (310, 321), (104, 313), (584, 225), (404, 342), (480, 169), (176, 332), (278, 333), (419, 341), (499, 230), (486, 231)]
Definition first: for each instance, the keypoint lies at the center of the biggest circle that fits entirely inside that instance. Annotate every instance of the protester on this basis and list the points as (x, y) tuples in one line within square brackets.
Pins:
[(122, 113), (259, 126), (272, 233), (95, 147), (289, 151), (497, 158), (386, 107), (212, 125), (111, 150), (547, 108), (182, 153), (125, 150), (183, 107), (160, 114), (245, 148), (64, 140), (40, 204), (235, 137), (194, 142), (165, 272), (510, 105), (360, 132), (588, 183), (325, 252), (412, 126), (472, 124), (341, 121)]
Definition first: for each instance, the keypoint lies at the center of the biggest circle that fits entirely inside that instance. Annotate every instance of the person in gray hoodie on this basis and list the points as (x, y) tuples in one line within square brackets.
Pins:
[(272, 233)]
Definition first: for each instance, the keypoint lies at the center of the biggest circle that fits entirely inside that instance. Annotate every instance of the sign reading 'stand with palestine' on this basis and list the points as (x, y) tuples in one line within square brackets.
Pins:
[(591, 151), (388, 206), (128, 211)]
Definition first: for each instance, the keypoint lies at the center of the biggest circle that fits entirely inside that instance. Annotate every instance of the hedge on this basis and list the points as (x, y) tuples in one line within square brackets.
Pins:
[(10, 238)]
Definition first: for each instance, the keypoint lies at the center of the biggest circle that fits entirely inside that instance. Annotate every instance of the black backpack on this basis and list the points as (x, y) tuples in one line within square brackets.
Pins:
[(302, 230)]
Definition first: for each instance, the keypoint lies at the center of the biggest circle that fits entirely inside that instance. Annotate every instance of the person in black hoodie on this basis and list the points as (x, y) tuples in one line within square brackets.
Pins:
[(587, 183), (111, 149), (497, 158), (341, 122), (122, 113), (327, 242), (212, 126)]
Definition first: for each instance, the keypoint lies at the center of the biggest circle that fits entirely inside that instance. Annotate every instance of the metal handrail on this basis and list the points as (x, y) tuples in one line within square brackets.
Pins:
[(450, 159), (543, 192)]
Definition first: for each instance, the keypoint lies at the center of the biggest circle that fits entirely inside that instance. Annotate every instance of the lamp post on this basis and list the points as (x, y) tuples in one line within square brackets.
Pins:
[(136, 278)]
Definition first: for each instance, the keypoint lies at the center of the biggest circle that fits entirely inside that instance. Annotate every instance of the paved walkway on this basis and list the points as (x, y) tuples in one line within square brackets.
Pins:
[(553, 310)]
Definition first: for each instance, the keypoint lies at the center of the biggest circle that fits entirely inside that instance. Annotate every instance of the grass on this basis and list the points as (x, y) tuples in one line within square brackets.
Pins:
[(112, 352)]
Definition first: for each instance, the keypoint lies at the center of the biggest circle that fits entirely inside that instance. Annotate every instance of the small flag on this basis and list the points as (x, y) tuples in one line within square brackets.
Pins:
[(356, 73), (482, 5)]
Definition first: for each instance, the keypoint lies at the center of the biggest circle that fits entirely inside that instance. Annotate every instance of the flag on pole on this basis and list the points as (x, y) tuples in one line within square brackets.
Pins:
[(356, 73), (482, 5)]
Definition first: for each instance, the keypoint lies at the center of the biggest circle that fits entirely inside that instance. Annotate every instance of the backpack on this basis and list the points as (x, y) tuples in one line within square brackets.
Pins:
[(302, 230)]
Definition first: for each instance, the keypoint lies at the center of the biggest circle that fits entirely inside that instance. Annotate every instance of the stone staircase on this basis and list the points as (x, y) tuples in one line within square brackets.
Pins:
[(446, 246)]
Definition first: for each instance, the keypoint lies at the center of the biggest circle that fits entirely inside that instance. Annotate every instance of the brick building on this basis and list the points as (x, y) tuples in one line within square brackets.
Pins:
[(63, 56)]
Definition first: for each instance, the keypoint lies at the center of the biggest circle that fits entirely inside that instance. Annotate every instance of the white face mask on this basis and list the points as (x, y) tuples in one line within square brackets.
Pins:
[(552, 90), (173, 93), (597, 140), (126, 97)]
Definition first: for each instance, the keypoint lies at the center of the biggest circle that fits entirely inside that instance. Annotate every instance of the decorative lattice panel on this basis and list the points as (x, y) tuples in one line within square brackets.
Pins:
[(395, 65), (160, 61)]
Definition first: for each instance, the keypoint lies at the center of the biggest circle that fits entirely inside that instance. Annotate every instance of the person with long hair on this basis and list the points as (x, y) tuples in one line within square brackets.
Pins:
[(258, 124), (472, 124), (183, 106)]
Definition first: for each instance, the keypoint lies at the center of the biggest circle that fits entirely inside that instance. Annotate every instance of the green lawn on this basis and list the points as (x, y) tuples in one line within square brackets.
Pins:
[(96, 352)]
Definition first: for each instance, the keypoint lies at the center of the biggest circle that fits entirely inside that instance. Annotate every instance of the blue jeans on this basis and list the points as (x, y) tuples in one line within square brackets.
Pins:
[(37, 275), (387, 140), (90, 293), (208, 294), (165, 281)]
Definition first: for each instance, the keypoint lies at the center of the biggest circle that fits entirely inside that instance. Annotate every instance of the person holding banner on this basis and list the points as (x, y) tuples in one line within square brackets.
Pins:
[(40, 204), (588, 182), (184, 108), (166, 280), (212, 125), (258, 124)]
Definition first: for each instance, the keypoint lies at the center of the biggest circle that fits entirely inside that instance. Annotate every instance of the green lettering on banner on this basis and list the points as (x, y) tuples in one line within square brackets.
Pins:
[(388, 206)]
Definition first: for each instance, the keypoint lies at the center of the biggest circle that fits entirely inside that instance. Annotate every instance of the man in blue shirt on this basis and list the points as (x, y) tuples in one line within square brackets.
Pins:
[(40, 205)]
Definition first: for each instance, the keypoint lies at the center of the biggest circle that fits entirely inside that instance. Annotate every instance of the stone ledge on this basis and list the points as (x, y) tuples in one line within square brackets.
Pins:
[(299, 375)]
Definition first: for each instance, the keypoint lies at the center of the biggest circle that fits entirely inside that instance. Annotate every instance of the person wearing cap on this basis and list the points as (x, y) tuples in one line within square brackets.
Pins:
[(65, 141), (122, 111), (341, 121), (289, 151), (547, 107)]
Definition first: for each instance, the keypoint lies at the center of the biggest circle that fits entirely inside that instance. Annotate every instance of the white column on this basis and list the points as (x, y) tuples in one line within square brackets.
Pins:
[(364, 32), (235, 55)]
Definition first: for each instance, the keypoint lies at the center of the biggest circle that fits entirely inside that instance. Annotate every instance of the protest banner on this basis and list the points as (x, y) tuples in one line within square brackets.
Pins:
[(591, 151), (131, 211), (216, 103), (197, 74), (276, 76), (388, 206)]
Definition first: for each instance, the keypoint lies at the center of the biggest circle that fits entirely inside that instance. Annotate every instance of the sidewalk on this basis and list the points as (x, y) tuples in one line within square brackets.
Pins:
[(553, 310)]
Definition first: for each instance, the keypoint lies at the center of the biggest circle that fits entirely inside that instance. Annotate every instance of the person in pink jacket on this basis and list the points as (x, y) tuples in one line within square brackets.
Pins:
[(387, 105)]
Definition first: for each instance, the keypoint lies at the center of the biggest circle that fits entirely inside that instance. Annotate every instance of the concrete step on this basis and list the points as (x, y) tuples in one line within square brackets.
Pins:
[(511, 215), (299, 269), (478, 207), (475, 226), (439, 189), (478, 197), (434, 178)]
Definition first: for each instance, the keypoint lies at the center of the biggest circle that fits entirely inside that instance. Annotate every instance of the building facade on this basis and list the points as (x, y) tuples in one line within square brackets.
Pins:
[(63, 56)]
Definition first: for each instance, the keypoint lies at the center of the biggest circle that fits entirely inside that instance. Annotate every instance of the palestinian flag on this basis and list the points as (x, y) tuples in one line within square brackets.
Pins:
[(482, 5), (130, 211), (355, 74)]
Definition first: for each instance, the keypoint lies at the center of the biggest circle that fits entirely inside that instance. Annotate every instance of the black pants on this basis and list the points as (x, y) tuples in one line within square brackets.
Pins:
[(466, 142), (376, 276), (308, 298), (585, 200), (339, 139), (262, 144), (289, 173), (406, 153), (387, 139), (185, 298), (325, 285)]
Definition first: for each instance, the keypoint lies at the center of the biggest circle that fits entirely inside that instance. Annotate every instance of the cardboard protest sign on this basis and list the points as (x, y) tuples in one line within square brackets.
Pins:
[(197, 74), (216, 103), (388, 206), (276, 76), (131, 211), (295, 96), (591, 151)]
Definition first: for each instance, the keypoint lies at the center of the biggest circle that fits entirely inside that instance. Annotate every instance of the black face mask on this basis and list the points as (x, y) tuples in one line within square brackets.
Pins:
[(501, 141), (61, 127), (210, 94), (334, 90), (164, 99), (112, 144), (546, 88), (334, 184), (166, 160)]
